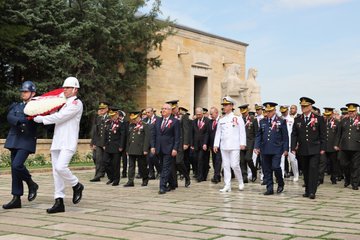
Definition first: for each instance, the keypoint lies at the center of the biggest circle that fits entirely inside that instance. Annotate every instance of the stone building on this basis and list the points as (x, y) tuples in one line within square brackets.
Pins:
[(195, 66)]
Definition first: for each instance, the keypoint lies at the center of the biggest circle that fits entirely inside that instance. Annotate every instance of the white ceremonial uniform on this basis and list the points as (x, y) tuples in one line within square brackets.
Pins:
[(230, 134), (64, 144), (292, 158)]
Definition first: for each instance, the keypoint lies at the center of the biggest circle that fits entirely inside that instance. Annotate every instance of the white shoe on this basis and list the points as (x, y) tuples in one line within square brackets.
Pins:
[(226, 189), (296, 179), (241, 186)]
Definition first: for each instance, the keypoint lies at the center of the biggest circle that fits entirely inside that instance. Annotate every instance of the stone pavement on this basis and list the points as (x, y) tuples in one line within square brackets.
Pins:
[(200, 212)]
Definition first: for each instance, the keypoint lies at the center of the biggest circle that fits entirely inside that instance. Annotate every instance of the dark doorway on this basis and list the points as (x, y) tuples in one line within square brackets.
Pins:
[(200, 91)]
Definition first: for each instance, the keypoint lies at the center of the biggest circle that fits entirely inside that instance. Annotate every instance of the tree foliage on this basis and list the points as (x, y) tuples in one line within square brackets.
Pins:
[(104, 43)]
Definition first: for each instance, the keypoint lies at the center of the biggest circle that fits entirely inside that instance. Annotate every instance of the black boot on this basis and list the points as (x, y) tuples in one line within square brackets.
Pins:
[(14, 203), (33, 187), (77, 195), (58, 206)]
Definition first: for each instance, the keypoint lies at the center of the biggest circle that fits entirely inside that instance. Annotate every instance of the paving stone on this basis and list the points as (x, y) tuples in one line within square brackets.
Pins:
[(176, 233), (343, 236), (256, 227), (20, 237), (32, 231), (108, 212), (242, 233)]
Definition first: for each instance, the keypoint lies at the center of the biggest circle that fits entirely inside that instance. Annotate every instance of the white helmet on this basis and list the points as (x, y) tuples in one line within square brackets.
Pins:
[(71, 82)]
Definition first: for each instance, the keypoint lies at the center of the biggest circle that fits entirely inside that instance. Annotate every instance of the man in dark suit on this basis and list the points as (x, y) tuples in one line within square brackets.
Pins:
[(330, 156), (308, 140), (272, 141), (180, 113), (348, 142), (21, 141), (114, 146), (251, 127), (165, 142), (98, 140), (138, 146), (152, 160), (199, 142), (216, 157)]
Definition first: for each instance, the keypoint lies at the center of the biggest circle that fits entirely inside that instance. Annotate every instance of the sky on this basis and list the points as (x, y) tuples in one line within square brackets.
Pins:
[(300, 47)]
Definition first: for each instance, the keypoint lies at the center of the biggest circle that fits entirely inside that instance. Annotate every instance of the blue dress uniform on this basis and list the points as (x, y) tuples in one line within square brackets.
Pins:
[(273, 140), (21, 141)]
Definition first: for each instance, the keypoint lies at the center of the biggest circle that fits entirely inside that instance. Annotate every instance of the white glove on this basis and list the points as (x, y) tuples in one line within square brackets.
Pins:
[(38, 119)]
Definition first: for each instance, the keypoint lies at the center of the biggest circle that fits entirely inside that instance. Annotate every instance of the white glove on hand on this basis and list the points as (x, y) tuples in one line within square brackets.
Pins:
[(38, 119)]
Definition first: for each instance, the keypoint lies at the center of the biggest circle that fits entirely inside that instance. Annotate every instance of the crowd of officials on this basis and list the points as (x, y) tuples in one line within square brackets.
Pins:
[(175, 145), (256, 144)]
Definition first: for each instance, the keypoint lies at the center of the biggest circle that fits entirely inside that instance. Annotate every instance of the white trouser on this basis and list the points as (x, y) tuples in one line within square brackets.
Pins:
[(282, 165), (294, 165), (231, 159), (60, 160)]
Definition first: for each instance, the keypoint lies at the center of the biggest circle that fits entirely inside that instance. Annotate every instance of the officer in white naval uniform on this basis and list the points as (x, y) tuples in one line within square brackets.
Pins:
[(292, 158), (230, 137), (64, 144)]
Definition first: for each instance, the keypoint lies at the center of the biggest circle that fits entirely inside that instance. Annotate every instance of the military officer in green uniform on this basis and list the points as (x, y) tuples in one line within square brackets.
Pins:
[(348, 142), (137, 148), (98, 140), (330, 156)]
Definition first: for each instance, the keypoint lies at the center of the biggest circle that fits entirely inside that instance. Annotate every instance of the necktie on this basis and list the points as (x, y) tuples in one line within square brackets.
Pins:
[(163, 124), (306, 119), (351, 121), (214, 125), (199, 123)]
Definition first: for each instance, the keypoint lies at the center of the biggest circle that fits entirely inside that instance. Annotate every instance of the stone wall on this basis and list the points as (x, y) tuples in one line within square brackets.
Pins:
[(43, 147), (186, 56)]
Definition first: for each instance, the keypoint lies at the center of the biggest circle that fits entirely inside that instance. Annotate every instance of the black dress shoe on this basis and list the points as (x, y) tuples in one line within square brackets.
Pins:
[(312, 196), (32, 191), (123, 175), (95, 180), (253, 179), (187, 182), (168, 189), (145, 182), (162, 192), (305, 195), (269, 192), (57, 207), (14, 203), (263, 183), (280, 189), (355, 187), (246, 180), (151, 177), (77, 193), (346, 184), (129, 184), (115, 183), (109, 182)]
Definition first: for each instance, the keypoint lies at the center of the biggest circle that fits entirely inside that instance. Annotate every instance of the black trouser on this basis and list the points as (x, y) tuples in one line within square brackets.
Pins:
[(153, 161), (19, 172), (180, 166), (124, 162), (141, 159), (203, 165), (193, 162), (99, 162), (245, 161), (350, 162), (270, 165), (112, 166), (216, 162), (329, 158), (167, 163), (187, 161), (310, 167)]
